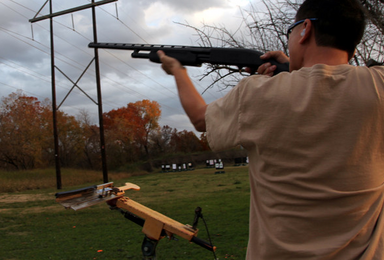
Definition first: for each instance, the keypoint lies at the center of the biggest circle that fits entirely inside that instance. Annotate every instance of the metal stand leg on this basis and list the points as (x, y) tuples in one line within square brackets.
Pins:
[(149, 248)]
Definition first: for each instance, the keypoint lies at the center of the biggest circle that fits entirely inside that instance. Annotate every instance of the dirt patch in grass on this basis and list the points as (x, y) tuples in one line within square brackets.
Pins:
[(17, 198), (9, 199), (19, 233), (32, 210)]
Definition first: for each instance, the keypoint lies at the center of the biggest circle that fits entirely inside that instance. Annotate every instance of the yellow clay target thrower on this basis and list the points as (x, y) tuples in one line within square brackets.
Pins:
[(155, 225)]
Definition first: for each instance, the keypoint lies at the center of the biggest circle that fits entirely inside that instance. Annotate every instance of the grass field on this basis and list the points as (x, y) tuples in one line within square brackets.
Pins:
[(34, 226)]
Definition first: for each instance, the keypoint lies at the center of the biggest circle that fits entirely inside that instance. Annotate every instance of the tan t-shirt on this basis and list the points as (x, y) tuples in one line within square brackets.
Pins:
[(315, 140)]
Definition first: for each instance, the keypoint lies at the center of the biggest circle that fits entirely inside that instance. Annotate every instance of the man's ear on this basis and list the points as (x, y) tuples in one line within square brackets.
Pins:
[(307, 31)]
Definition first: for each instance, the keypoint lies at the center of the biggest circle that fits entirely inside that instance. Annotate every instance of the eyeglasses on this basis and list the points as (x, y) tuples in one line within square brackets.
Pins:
[(290, 28)]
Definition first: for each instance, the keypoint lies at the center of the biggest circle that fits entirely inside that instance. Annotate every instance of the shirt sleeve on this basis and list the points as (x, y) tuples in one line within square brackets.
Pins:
[(241, 114), (222, 121)]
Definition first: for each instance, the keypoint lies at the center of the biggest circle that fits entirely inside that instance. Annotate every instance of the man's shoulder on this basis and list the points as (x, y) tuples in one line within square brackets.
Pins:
[(379, 69), (376, 72), (334, 70)]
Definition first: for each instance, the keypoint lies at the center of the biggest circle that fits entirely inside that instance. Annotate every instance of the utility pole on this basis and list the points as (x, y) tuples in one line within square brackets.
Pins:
[(53, 80), (99, 99)]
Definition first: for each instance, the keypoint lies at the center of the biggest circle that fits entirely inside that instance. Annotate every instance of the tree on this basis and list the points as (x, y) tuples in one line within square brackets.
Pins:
[(375, 11), (24, 128), (146, 122), (129, 130), (161, 140), (185, 142), (90, 141), (70, 137), (204, 142), (26, 134), (264, 29)]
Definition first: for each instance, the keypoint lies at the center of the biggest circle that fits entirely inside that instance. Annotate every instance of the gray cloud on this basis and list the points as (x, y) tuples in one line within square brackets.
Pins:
[(184, 6), (25, 63)]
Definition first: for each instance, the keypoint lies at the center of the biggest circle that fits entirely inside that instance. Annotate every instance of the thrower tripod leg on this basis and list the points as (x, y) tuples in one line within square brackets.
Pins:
[(149, 248)]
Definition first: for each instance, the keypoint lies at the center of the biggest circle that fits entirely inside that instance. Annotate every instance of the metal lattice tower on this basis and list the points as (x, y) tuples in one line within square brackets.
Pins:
[(99, 103)]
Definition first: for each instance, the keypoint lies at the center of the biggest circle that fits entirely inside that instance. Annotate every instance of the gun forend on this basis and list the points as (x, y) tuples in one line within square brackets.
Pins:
[(196, 56)]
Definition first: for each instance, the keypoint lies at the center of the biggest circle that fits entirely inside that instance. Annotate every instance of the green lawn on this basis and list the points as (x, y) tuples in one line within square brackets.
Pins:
[(34, 226)]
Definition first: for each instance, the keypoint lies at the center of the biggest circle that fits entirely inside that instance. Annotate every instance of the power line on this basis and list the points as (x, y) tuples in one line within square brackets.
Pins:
[(41, 77), (115, 83), (22, 6), (74, 61), (124, 24)]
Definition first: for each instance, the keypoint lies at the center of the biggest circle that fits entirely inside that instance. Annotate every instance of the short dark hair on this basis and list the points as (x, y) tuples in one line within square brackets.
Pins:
[(340, 24)]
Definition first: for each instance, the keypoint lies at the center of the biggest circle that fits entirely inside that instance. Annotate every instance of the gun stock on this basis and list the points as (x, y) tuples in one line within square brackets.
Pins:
[(196, 56)]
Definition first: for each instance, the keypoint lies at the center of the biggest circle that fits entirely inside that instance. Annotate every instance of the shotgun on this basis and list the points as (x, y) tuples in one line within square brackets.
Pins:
[(196, 56)]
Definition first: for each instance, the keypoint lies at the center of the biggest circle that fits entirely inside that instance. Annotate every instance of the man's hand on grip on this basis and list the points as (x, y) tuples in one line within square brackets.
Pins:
[(169, 64), (269, 69)]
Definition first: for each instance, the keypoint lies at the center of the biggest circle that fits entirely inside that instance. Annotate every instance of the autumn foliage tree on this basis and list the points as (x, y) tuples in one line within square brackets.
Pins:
[(146, 122), (26, 134), (162, 140), (171, 141), (90, 142), (70, 140), (128, 130), (185, 141), (23, 124), (132, 134)]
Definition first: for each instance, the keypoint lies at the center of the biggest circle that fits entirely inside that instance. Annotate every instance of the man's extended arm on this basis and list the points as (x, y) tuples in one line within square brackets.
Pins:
[(191, 100)]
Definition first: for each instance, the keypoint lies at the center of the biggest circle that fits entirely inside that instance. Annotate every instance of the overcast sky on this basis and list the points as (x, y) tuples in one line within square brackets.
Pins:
[(25, 52)]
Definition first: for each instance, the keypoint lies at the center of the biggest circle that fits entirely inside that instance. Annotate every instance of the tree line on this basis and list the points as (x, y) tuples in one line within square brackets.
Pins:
[(132, 134)]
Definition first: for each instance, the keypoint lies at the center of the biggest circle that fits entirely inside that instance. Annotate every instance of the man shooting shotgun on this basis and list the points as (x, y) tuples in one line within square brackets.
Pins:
[(314, 136)]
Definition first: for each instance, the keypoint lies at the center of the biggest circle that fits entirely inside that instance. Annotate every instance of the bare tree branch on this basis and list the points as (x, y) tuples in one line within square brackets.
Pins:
[(264, 29)]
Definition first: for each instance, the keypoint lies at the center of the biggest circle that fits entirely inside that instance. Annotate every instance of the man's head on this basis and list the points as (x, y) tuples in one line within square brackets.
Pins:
[(339, 24)]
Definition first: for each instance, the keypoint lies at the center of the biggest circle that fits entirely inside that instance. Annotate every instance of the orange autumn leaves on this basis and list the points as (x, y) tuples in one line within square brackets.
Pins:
[(135, 121), (27, 138), (132, 134), (129, 130)]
